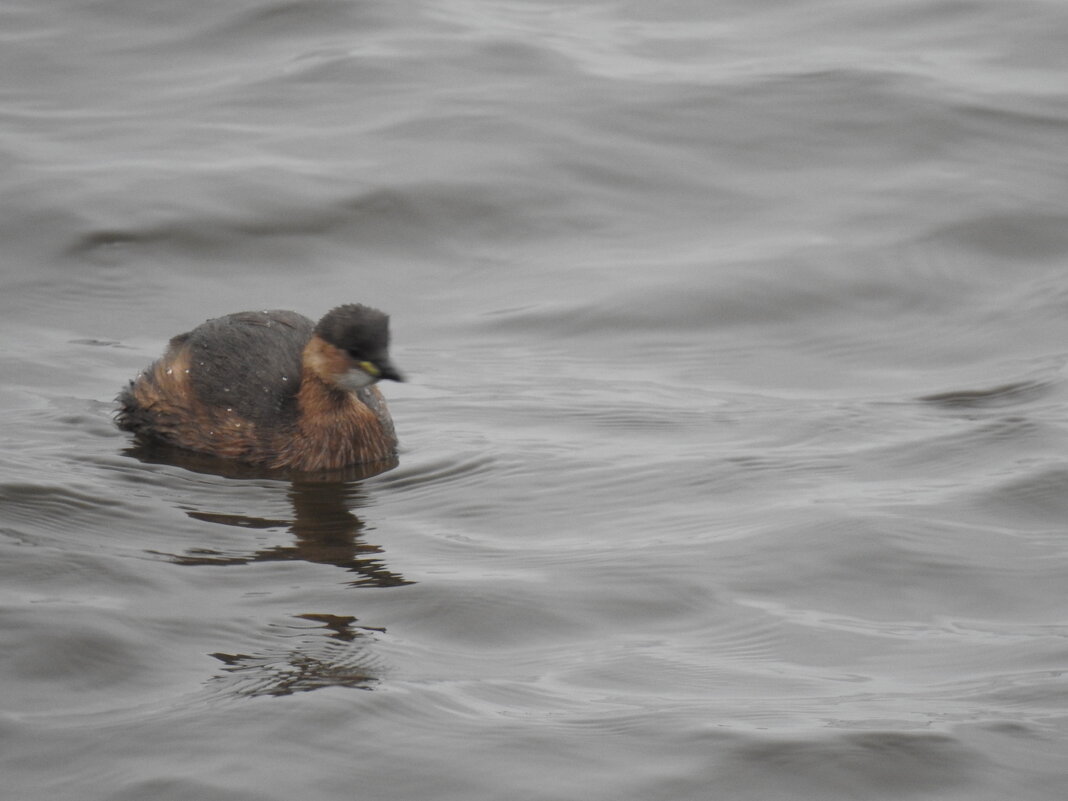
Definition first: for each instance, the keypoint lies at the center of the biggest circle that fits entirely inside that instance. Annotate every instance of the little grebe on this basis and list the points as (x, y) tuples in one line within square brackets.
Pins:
[(272, 388)]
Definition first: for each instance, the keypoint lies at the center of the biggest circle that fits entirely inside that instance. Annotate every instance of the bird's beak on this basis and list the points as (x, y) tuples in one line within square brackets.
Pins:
[(381, 369)]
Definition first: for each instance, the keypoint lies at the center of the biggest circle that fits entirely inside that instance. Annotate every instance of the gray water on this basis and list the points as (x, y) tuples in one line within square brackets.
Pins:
[(735, 451)]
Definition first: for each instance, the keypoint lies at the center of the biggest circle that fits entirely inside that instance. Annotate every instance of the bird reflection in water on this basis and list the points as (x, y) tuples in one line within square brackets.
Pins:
[(325, 532), (343, 659), (324, 528), (308, 651)]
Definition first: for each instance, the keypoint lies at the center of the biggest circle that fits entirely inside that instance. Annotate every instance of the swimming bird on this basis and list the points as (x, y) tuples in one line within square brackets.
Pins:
[(272, 388)]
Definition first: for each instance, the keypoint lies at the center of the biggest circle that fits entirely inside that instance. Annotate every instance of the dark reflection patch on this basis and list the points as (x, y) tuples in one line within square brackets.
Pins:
[(333, 653)]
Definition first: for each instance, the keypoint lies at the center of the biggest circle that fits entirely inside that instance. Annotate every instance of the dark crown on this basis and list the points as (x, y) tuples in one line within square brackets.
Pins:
[(356, 328)]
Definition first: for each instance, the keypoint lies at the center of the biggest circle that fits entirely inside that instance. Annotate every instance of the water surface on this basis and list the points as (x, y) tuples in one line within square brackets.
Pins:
[(734, 453)]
